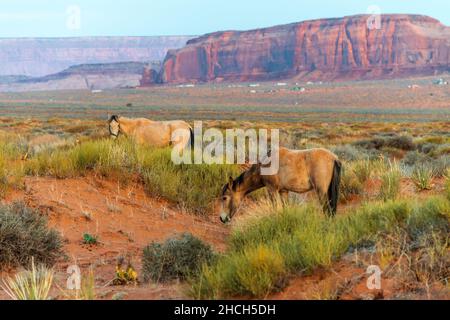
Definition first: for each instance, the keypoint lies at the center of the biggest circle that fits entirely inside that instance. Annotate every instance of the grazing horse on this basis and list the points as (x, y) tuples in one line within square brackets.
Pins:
[(152, 133), (299, 171)]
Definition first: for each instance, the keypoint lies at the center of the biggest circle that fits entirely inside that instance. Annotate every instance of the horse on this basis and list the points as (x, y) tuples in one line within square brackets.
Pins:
[(152, 133), (299, 171)]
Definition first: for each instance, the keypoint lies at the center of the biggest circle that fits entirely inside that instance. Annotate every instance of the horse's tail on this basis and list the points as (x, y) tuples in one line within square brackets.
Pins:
[(192, 138), (333, 189)]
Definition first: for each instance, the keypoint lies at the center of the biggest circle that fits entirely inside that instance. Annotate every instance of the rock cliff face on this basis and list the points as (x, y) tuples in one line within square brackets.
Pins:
[(38, 57), (329, 49), (85, 77)]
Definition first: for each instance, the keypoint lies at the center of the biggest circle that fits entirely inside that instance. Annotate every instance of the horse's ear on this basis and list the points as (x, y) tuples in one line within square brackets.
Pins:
[(114, 118), (230, 182)]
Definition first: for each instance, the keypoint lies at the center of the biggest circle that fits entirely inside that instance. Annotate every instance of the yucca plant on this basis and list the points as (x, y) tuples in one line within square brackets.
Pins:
[(31, 284), (422, 177)]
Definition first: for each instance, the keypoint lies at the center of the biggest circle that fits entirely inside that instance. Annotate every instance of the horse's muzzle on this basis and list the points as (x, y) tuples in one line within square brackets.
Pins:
[(224, 218)]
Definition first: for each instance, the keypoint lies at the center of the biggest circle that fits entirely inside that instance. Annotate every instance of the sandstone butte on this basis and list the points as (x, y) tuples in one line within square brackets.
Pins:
[(327, 49)]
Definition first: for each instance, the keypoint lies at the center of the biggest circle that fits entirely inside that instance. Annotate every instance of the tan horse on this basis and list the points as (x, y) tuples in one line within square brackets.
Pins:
[(152, 133), (299, 171)]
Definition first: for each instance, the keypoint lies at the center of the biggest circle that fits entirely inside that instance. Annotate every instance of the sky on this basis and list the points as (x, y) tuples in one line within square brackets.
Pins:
[(68, 18)]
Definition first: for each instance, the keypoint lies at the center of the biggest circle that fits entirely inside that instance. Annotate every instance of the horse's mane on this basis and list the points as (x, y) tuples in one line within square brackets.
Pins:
[(240, 180)]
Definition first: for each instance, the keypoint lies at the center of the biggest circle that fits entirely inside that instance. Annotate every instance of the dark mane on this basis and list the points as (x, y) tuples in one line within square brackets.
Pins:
[(113, 118), (239, 180)]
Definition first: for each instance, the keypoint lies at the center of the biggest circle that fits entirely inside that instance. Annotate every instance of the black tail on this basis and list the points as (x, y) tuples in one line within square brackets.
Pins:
[(192, 138), (333, 189)]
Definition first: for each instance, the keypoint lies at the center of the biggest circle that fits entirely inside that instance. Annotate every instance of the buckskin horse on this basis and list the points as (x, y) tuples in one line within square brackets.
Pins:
[(299, 171), (151, 133)]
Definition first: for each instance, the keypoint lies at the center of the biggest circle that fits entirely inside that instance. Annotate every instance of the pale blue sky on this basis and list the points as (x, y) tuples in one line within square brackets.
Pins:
[(52, 18)]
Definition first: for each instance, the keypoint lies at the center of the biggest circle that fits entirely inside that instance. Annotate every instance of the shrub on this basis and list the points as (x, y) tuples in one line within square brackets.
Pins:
[(398, 142), (24, 234), (348, 152), (427, 148), (374, 143), (177, 258), (442, 150), (440, 165), (415, 157)]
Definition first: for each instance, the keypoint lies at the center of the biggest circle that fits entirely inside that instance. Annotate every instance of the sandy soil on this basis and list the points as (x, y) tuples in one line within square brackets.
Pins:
[(123, 218)]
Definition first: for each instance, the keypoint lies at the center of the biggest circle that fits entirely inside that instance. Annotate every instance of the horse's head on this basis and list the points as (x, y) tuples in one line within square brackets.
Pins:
[(114, 126), (231, 201)]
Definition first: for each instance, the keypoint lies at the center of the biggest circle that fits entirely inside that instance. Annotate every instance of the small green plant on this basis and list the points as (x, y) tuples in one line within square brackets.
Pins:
[(89, 239), (422, 177), (33, 284), (179, 257)]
